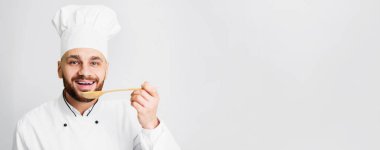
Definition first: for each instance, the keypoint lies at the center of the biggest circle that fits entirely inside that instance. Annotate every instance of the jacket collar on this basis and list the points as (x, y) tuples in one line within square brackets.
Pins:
[(70, 110)]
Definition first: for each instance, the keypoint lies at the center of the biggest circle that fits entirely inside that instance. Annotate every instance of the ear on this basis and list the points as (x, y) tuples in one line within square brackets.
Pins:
[(60, 70)]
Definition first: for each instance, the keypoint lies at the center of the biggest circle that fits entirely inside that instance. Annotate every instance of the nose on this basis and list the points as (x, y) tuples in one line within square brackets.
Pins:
[(84, 70)]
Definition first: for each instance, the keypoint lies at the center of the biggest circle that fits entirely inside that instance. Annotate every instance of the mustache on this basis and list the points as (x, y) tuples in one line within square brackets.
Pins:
[(83, 77)]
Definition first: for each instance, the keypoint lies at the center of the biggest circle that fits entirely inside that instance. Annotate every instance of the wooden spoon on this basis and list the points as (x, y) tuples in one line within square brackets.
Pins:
[(97, 94)]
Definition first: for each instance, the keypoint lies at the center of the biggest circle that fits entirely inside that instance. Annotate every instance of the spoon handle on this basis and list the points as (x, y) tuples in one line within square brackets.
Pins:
[(120, 90)]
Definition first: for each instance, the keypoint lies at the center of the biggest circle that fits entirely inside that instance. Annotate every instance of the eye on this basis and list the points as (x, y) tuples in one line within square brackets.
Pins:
[(73, 62), (94, 63)]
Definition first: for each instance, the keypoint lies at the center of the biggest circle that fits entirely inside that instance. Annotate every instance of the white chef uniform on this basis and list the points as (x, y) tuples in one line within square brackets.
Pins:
[(108, 125)]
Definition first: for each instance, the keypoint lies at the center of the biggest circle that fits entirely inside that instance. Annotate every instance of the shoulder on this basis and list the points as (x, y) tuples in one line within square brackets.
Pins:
[(35, 115)]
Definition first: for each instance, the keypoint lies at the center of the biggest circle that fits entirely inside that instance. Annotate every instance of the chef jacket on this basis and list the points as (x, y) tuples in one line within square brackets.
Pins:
[(107, 125)]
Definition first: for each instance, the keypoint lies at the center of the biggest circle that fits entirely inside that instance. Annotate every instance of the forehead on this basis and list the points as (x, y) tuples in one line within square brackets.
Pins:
[(84, 53)]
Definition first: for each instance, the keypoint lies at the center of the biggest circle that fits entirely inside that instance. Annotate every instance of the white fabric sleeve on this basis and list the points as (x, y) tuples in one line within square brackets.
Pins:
[(158, 138), (18, 139)]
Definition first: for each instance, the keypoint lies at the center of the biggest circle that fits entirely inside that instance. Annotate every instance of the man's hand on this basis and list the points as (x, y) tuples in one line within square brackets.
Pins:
[(145, 101)]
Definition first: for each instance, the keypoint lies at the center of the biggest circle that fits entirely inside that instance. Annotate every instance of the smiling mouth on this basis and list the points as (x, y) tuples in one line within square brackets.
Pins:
[(85, 85), (85, 82)]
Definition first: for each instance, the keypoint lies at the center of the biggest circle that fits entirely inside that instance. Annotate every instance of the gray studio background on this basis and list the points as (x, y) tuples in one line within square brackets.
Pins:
[(232, 74)]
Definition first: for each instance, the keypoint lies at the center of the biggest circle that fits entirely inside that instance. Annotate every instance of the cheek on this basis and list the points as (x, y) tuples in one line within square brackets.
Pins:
[(68, 73), (102, 75)]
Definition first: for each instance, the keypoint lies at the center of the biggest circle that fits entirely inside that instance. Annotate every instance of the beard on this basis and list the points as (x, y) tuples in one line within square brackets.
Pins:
[(69, 88)]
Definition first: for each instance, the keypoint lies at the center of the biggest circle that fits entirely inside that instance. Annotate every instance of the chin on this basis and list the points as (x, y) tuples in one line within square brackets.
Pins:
[(82, 99)]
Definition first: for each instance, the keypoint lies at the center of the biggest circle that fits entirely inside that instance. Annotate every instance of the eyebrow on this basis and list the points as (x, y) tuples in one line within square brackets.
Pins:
[(96, 58), (78, 57), (73, 56)]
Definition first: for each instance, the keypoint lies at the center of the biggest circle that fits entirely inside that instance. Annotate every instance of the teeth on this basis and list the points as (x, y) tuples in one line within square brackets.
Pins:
[(86, 83)]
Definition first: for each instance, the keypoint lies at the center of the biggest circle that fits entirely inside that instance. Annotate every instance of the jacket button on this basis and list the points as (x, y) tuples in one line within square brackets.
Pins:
[(65, 124), (96, 121)]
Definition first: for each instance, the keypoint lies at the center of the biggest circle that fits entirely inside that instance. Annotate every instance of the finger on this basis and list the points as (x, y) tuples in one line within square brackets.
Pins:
[(137, 106), (136, 92), (150, 89), (139, 99), (146, 95)]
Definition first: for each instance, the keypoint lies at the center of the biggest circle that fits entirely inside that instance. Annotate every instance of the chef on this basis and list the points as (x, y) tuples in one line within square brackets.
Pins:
[(73, 122)]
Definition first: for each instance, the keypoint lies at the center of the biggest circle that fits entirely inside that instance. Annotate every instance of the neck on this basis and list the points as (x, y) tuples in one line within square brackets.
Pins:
[(80, 106)]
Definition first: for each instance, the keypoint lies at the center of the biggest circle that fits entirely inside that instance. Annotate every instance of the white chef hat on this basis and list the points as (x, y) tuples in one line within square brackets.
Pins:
[(85, 27)]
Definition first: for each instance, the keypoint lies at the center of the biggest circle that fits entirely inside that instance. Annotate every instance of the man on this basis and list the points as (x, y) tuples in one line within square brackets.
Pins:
[(73, 122)]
